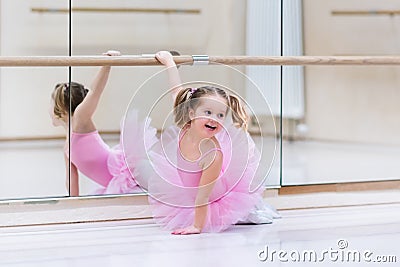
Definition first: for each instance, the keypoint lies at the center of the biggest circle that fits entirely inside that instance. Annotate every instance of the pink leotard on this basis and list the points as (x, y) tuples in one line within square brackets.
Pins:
[(190, 171), (89, 153)]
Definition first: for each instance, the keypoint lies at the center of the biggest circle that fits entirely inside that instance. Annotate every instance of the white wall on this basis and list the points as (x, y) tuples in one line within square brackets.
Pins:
[(25, 92)]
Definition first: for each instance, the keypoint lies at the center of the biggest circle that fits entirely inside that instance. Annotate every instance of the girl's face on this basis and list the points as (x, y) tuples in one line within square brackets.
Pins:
[(209, 115)]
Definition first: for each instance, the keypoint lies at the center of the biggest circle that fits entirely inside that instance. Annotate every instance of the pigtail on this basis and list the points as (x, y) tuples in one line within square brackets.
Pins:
[(64, 94), (60, 106), (239, 114), (181, 107)]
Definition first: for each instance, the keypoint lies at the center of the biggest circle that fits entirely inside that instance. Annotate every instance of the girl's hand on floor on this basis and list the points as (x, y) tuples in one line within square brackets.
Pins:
[(190, 230)]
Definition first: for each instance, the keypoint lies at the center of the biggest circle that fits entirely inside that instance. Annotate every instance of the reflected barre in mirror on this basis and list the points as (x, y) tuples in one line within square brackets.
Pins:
[(372, 12), (115, 10)]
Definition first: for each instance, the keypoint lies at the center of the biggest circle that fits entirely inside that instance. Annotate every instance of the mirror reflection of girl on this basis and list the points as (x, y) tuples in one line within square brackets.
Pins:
[(197, 191), (90, 155)]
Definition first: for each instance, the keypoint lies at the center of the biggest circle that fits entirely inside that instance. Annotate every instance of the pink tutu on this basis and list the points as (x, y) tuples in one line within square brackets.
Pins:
[(122, 181), (119, 165), (172, 191)]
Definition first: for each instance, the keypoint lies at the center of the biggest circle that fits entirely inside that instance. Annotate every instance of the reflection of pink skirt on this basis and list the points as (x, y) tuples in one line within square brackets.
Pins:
[(133, 136), (231, 200), (122, 181)]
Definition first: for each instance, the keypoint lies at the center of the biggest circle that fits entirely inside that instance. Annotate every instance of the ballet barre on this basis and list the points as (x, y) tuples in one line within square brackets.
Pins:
[(115, 10), (365, 12), (77, 61)]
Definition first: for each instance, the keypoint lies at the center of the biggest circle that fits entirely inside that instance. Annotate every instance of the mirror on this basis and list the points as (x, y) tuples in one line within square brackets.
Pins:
[(30, 163), (339, 124), (349, 130)]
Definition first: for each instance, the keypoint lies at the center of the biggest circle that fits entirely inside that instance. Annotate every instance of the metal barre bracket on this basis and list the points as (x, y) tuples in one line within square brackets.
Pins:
[(148, 55), (200, 60)]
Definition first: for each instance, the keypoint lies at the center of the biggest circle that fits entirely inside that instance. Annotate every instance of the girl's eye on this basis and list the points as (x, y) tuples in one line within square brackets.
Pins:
[(207, 112), (221, 115)]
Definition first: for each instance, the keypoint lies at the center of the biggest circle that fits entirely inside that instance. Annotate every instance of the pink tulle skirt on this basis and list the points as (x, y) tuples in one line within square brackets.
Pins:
[(136, 135), (172, 199)]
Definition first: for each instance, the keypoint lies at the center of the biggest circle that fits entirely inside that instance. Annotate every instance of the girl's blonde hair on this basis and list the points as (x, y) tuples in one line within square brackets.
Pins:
[(189, 98), (61, 96)]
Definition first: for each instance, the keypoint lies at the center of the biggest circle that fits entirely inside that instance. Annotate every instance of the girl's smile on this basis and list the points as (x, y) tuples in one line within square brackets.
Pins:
[(209, 115)]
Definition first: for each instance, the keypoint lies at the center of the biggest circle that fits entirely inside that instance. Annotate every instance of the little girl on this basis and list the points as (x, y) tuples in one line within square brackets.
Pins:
[(199, 173), (89, 153)]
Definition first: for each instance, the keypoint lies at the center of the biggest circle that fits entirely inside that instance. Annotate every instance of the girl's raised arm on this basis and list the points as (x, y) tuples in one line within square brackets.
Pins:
[(86, 109), (207, 181), (175, 82)]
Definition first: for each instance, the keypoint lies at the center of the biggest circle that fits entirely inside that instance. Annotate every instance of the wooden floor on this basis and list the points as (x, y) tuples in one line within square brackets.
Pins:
[(371, 229)]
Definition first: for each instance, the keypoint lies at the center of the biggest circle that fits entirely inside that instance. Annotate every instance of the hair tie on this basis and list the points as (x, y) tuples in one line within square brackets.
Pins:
[(66, 89), (191, 92)]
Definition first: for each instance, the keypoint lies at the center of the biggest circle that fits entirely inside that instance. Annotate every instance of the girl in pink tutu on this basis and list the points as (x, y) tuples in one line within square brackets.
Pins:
[(199, 173), (89, 153)]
